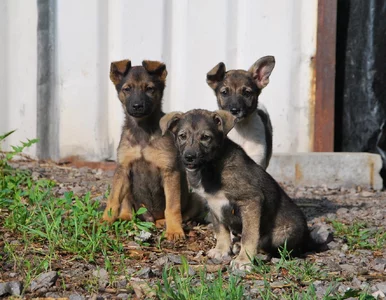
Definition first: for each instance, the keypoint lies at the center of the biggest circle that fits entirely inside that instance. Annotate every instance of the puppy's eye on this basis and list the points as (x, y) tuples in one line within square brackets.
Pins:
[(224, 92), (150, 90), (127, 89), (247, 93), (182, 136), (206, 138)]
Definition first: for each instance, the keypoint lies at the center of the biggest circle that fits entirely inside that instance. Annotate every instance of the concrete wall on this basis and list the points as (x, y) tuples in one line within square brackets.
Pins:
[(189, 36)]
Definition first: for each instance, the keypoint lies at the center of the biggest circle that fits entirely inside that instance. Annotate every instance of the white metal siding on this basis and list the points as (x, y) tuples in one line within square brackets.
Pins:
[(189, 36)]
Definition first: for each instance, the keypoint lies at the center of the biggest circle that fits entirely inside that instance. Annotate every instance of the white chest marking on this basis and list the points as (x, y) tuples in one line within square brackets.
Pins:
[(250, 135), (216, 202)]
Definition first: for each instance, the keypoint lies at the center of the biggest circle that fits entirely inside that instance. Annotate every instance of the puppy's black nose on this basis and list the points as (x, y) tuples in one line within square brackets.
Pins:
[(235, 111), (137, 106), (189, 157)]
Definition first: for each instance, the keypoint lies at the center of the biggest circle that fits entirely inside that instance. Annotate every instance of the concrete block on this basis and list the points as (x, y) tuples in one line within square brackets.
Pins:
[(331, 169)]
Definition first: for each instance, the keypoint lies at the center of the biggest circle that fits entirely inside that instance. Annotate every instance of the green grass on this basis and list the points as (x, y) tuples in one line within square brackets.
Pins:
[(47, 227), (358, 236), (178, 284), (44, 231)]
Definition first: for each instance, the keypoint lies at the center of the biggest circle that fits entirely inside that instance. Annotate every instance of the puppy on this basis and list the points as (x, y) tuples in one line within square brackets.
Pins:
[(238, 91), (148, 172), (242, 197)]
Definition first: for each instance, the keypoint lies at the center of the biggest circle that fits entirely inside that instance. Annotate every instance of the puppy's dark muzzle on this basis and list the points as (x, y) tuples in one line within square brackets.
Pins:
[(190, 161), (137, 110)]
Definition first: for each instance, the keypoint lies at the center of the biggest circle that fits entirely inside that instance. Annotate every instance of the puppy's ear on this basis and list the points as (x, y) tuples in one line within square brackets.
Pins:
[(224, 120), (118, 70), (261, 70), (214, 76), (170, 121), (155, 68)]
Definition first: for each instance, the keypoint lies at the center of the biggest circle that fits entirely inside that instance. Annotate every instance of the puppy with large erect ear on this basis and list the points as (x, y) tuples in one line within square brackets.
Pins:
[(238, 91), (242, 197)]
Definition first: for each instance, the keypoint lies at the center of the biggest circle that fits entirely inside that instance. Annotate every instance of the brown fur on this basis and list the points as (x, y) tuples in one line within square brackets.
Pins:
[(148, 172)]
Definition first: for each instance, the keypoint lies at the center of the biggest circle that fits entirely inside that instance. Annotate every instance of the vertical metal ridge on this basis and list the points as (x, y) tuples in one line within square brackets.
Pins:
[(325, 77), (47, 108)]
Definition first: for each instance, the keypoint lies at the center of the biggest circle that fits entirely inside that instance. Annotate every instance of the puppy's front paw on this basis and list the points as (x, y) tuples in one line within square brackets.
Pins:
[(241, 264), (219, 254), (110, 214), (174, 234), (125, 215)]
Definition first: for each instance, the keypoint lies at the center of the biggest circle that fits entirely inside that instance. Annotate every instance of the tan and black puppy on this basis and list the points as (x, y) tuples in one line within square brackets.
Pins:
[(148, 172), (243, 198), (238, 91)]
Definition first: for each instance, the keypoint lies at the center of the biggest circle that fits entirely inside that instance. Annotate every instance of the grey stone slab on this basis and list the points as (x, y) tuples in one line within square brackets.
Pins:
[(331, 169)]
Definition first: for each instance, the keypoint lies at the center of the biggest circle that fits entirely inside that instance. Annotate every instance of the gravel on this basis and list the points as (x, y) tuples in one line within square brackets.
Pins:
[(358, 268)]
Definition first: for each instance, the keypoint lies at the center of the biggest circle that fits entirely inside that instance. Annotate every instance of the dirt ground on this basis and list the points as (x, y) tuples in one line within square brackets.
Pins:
[(356, 268)]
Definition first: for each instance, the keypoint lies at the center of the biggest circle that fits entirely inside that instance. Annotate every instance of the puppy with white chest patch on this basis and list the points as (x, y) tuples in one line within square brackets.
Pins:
[(238, 91), (242, 197)]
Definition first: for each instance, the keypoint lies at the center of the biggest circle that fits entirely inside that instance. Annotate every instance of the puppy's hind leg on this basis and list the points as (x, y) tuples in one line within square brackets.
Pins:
[(250, 214)]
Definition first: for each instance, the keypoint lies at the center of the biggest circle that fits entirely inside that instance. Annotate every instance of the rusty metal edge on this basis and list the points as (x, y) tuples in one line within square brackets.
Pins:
[(325, 77)]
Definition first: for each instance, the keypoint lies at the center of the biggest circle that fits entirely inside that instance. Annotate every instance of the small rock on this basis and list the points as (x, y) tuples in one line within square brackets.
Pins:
[(123, 296), (176, 259), (344, 247), (121, 284), (381, 286), (333, 266), (379, 267), (97, 297), (342, 211), (145, 273), (191, 271), (362, 271), (99, 198), (141, 289), (62, 191), (52, 295), (45, 280), (35, 176), (77, 190), (334, 245), (378, 294), (130, 271), (366, 194), (210, 277), (275, 260), (254, 291), (378, 215), (320, 288), (143, 236), (103, 277), (133, 245), (350, 269), (160, 262), (76, 297), (12, 275), (356, 282), (12, 288)]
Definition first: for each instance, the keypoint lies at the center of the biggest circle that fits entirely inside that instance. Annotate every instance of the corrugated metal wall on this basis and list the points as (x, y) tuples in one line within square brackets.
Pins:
[(83, 116)]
